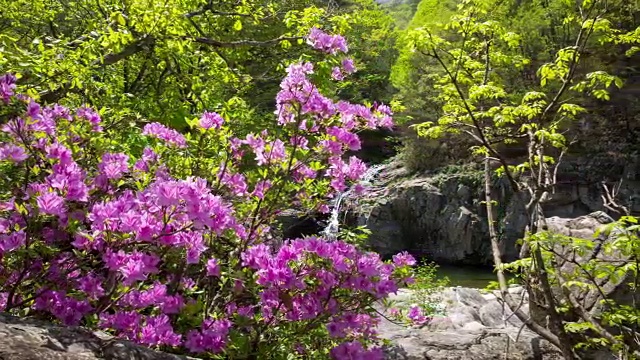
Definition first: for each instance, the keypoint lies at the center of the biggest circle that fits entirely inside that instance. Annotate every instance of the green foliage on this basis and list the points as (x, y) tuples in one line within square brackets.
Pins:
[(514, 279), (478, 57), (490, 90), (465, 174), (583, 266), (163, 60), (415, 87), (523, 37), (440, 153), (374, 50), (402, 11), (424, 300), (426, 287), (357, 236)]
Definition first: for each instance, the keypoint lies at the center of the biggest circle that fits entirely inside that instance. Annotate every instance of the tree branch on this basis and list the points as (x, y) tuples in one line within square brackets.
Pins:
[(476, 123), (209, 8), (128, 51), (214, 12), (240, 43), (579, 48)]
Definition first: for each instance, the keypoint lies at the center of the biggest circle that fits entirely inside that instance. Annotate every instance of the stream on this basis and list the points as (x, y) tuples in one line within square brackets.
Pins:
[(332, 229), (467, 276)]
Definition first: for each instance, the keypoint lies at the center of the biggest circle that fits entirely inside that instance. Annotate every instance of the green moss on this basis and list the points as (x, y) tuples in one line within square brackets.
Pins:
[(467, 174)]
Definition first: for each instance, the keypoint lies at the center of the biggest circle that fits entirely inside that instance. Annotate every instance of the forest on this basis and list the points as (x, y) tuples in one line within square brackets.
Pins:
[(149, 150)]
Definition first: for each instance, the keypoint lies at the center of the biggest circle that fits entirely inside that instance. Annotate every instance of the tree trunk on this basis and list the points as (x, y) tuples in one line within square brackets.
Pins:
[(493, 234), (504, 290), (539, 275)]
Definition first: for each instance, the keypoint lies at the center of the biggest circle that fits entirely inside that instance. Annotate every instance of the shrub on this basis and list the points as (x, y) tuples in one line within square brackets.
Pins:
[(441, 152), (596, 280), (163, 238), (424, 301)]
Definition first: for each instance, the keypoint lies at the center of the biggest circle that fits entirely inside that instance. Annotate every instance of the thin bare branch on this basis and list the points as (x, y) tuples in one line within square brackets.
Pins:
[(609, 199), (240, 43)]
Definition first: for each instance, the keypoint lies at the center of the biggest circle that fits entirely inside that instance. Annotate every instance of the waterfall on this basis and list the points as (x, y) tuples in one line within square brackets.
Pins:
[(333, 226)]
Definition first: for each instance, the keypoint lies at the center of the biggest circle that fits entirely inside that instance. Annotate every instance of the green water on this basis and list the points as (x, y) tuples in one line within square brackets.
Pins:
[(467, 276)]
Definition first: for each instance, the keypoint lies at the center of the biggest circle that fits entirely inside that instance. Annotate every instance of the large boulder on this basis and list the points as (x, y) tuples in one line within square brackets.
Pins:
[(28, 339), (474, 326), (611, 287)]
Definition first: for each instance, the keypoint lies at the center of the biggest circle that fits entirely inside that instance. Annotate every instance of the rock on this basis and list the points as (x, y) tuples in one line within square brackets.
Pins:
[(472, 328), (28, 339), (585, 227), (441, 216), (295, 224), (483, 345)]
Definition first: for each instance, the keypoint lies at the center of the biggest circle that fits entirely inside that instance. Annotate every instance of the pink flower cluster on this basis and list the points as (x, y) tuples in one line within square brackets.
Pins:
[(66, 308), (416, 315), (166, 134), (7, 87), (298, 96), (266, 152), (151, 330), (114, 166), (213, 336), (137, 237), (353, 350), (318, 277), (341, 171), (14, 153), (347, 68), (330, 44), (211, 120)]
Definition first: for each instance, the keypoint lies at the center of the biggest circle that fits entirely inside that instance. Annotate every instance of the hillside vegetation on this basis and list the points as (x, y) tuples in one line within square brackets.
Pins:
[(149, 150)]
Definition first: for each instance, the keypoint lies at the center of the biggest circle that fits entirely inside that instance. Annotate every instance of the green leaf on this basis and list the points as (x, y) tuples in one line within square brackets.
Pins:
[(237, 25)]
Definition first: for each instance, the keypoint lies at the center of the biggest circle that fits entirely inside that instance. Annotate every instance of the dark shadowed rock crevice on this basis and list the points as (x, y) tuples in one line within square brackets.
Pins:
[(292, 224), (435, 216)]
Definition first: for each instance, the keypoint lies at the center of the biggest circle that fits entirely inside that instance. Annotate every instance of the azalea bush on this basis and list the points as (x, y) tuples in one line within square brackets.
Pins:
[(163, 238), (424, 300)]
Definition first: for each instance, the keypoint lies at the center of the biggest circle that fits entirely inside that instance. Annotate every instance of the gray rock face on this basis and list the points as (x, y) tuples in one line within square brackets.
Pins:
[(442, 217), (613, 287), (474, 327), (24, 339)]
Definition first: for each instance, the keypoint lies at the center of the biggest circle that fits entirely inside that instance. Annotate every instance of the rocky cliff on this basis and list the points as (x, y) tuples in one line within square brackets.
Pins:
[(440, 215)]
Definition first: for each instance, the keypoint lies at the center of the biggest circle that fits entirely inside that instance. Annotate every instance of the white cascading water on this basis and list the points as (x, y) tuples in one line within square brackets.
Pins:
[(330, 232)]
